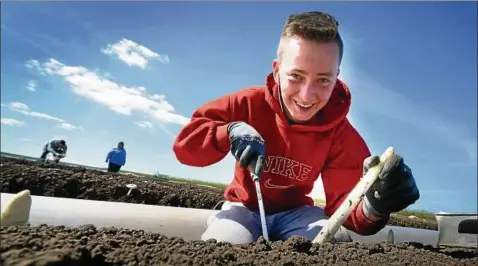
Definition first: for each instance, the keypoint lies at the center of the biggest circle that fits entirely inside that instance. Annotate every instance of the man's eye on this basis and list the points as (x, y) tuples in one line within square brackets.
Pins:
[(324, 80), (295, 76)]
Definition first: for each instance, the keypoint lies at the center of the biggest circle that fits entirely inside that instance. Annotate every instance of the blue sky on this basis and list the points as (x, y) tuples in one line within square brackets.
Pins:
[(96, 73)]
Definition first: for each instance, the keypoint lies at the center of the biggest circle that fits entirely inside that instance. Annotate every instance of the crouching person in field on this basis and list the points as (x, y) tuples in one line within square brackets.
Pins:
[(55, 146), (298, 122), (116, 158)]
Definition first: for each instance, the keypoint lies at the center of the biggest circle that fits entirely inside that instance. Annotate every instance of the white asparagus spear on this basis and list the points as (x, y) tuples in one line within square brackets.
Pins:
[(17, 211), (354, 197)]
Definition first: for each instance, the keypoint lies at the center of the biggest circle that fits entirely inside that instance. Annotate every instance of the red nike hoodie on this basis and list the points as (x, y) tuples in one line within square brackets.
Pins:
[(295, 154)]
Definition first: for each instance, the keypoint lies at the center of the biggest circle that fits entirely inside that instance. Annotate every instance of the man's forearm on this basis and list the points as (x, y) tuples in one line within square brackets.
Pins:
[(362, 224)]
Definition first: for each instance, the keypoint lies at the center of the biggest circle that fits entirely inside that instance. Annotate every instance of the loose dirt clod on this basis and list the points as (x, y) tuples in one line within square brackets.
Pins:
[(87, 245)]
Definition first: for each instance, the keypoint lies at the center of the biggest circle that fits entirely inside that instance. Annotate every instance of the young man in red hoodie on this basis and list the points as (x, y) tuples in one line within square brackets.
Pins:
[(297, 121)]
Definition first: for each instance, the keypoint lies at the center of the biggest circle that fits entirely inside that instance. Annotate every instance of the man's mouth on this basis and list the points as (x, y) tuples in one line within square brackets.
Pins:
[(306, 106)]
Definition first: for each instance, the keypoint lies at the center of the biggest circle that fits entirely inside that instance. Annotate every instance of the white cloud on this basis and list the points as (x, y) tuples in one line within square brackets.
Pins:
[(26, 140), (11, 122), (108, 75), (32, 85), (42, 115), (157, 97), (19, 106), (118, 97), (144, 124), (24, 109), (35, 65), (133, 54), (167, 131), (68, 126), (105, 74), (60, 137)]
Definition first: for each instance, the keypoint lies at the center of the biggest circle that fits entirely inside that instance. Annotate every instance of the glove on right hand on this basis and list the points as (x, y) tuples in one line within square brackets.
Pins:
[(247, 146)]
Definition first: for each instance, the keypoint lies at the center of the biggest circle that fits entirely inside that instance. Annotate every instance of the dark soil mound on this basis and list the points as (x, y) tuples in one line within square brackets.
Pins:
[(81, 183), (415, 223), (87, 245)]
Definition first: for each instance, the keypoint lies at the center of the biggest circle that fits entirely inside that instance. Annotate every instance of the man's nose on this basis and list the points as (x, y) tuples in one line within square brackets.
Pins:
[(307, 93)]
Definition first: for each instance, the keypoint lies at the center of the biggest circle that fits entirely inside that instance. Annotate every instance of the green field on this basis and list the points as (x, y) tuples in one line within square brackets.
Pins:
[(421, 214)]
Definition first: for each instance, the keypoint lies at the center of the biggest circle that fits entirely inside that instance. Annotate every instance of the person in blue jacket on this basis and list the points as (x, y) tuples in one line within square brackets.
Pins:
[(116, 158)]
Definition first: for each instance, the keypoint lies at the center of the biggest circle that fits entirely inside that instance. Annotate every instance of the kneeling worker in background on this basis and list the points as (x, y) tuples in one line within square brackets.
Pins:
[(116, 158), (55, 146)]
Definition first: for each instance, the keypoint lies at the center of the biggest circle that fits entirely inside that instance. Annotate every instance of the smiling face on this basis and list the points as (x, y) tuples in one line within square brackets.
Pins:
[(306, 72)]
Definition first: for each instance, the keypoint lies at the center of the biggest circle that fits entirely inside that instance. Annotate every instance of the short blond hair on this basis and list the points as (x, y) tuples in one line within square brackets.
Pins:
[(314, 26)]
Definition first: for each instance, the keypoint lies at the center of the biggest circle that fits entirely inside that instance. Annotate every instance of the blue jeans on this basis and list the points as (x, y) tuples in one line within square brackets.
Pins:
[(237, 224)]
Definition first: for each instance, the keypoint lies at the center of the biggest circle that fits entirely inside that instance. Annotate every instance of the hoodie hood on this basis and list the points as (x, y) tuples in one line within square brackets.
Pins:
[(327, 118)]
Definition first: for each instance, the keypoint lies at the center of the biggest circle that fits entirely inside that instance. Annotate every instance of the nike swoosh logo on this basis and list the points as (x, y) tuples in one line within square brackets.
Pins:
[(268, 184)]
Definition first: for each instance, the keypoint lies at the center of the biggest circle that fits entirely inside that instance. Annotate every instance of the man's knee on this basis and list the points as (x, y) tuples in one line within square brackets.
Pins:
[(235, 225), (225, 230), (342, 234), (302, 222), (307, 221)]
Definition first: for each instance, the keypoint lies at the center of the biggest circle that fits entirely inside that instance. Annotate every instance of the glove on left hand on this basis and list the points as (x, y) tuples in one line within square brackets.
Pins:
[(394, 190)]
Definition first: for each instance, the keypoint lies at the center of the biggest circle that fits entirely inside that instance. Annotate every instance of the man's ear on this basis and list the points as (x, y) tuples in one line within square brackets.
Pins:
[(338, 73), (275, 70)]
